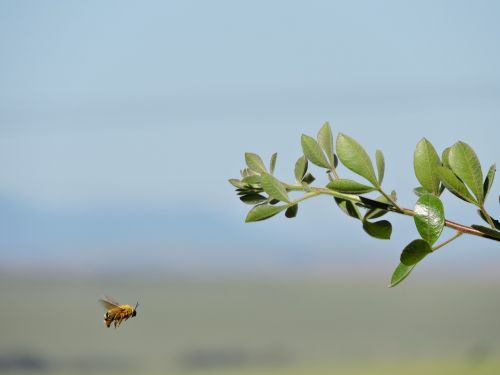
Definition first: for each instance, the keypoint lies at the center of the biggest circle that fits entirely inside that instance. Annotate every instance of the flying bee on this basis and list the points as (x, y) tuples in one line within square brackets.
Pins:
[(117, 313)]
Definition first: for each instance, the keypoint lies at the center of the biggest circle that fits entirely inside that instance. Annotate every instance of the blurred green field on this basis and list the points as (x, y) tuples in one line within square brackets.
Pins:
[(251, 327), (396, 368)]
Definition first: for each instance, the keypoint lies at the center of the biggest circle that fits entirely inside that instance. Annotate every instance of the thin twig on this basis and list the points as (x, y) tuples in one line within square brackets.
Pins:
[(457, 234), (315, 191)]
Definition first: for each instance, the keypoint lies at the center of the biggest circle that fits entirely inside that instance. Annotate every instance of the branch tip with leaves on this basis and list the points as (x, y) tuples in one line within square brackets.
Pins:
[(458, 171)]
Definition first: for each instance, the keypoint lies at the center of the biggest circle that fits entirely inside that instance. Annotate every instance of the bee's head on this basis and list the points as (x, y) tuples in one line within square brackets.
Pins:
[(134, 313)]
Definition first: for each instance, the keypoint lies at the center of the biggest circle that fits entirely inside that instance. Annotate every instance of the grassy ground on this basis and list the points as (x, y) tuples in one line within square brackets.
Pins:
[(253, 327), (448, 367)]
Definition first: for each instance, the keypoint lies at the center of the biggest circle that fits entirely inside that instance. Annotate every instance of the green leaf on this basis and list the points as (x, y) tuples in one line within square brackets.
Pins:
[(349, 186), (313, 152), (272, 164), (263, 212), (348, 208), (492, 233), (425, 162), (355, 158), (454, 185), (488, 181), (429, 217), (253, 198), (465, 164), (292, 211), (274, 187), (379, 229), (415, 251), (300, 168), (325, 140), (400, 273), (379, 158), (254, 162)]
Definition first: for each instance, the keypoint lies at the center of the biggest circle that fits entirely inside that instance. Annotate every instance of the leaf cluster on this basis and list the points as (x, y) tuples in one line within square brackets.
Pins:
[(457, 170)]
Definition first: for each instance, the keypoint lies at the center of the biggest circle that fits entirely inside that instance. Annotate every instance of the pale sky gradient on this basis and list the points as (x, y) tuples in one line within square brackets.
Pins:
[(120, 123)]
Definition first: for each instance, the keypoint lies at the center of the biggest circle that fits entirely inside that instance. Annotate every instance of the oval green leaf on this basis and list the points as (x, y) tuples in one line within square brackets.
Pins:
[(349, 186), (313, 152), (254, 162), (272, 164), (355, 158), (325, 140), (379, 229), (400, 273), (415, 251), (465, 164), (300, 168), (425, 162), (454, 185), (291, 211), (263, 212), (274, 187), (429, 217), (380, 161), (488, 181)]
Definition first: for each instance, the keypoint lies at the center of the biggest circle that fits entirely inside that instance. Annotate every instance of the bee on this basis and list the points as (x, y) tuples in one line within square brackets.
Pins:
[(117, 313)]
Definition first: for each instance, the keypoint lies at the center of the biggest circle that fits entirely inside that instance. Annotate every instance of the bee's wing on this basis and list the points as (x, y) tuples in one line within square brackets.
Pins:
[(108, 303)]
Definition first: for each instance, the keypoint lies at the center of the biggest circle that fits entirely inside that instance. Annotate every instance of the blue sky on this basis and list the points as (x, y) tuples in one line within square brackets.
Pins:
[(120, 123)]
